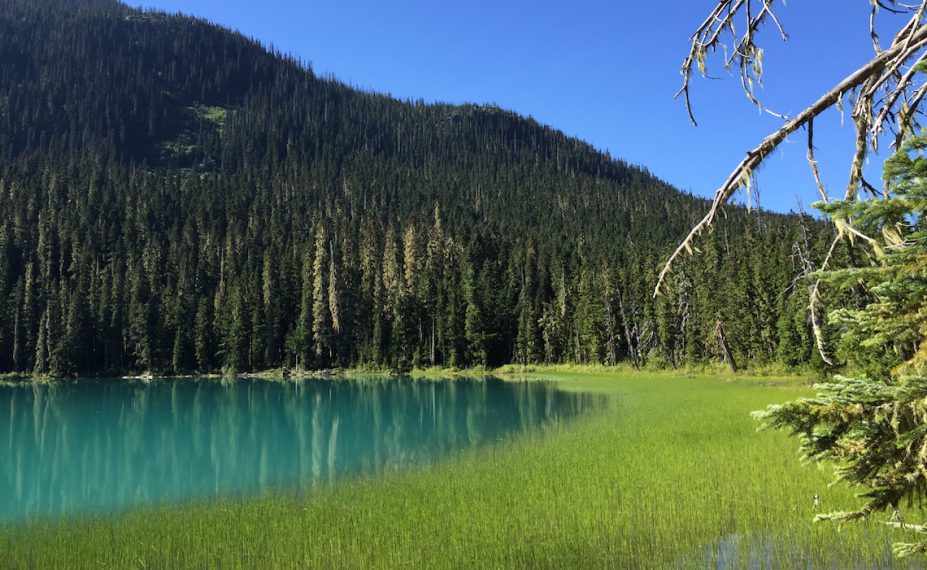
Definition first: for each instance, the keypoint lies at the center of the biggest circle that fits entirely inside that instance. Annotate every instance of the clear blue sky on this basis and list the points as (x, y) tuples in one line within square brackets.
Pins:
[(602, 70)]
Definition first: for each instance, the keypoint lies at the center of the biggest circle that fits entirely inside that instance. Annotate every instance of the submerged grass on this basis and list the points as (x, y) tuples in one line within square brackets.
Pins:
[(672, 474)]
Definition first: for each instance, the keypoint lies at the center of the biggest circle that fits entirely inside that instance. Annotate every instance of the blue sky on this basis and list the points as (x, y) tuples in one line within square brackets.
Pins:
[(602, 70)]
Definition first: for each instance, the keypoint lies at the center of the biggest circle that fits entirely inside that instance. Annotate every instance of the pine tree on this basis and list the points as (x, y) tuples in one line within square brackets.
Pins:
[(321, 313), (870, 423), (304, 327), (204, 343), (141, 320)]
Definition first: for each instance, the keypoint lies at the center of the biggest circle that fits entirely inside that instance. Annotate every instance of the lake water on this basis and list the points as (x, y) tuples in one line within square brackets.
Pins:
[(103, 445)]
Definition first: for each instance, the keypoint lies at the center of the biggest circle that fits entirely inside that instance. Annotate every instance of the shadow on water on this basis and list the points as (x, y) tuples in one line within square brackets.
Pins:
[(98, 445)]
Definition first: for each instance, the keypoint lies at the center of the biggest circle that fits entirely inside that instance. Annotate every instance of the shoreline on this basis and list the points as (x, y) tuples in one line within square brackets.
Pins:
[(508, 372)]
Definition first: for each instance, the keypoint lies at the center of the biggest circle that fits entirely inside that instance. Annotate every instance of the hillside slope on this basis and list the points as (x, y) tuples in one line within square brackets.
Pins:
[(175, 197)]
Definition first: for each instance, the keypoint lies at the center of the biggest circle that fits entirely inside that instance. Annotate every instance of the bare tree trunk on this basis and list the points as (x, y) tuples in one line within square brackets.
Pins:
[(725, 350), (627, 334)]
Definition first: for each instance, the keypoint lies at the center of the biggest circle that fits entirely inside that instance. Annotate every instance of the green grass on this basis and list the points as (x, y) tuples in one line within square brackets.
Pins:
[(12, 377), (215, 115), (672, 474)]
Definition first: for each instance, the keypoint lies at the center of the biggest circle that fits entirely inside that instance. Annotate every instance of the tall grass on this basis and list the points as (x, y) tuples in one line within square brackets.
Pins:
[(672, 474)]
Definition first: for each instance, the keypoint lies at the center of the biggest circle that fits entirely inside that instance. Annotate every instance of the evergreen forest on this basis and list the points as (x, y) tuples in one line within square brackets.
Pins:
[(177, 198)]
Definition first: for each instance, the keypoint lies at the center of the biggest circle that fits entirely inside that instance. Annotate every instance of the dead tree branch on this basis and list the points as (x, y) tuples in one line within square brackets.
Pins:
[(885, 95)]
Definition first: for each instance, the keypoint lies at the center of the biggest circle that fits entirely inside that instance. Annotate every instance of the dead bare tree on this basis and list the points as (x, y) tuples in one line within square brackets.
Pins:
[(725, 348), (884, 92)]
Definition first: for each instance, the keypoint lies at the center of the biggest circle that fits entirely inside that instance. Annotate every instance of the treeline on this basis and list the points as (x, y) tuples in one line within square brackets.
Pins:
[(175, 198)]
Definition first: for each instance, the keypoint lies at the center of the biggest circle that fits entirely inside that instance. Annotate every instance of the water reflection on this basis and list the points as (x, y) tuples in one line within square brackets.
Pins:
[(96, 444)]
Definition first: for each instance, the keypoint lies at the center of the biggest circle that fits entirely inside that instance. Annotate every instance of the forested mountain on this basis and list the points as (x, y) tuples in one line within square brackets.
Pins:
[(174, 197)]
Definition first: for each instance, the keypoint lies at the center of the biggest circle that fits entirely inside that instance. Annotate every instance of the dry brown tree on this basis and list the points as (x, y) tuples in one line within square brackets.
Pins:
[(885, 94)]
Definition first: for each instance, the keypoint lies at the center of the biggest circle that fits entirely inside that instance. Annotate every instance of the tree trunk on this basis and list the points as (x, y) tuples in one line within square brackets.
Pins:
[(632, 352), (725, 350)]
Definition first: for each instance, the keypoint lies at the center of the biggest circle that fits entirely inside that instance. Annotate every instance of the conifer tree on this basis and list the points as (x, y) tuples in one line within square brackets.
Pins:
[(304, 326), (321, 313), (204, 343), (871, 422)]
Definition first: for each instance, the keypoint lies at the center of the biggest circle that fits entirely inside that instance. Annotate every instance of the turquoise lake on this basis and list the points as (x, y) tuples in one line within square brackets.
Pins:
[(93, 446)]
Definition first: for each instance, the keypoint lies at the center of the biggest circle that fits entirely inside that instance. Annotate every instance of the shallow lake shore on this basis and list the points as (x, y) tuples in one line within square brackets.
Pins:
[(672, 473), (509, 372)]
